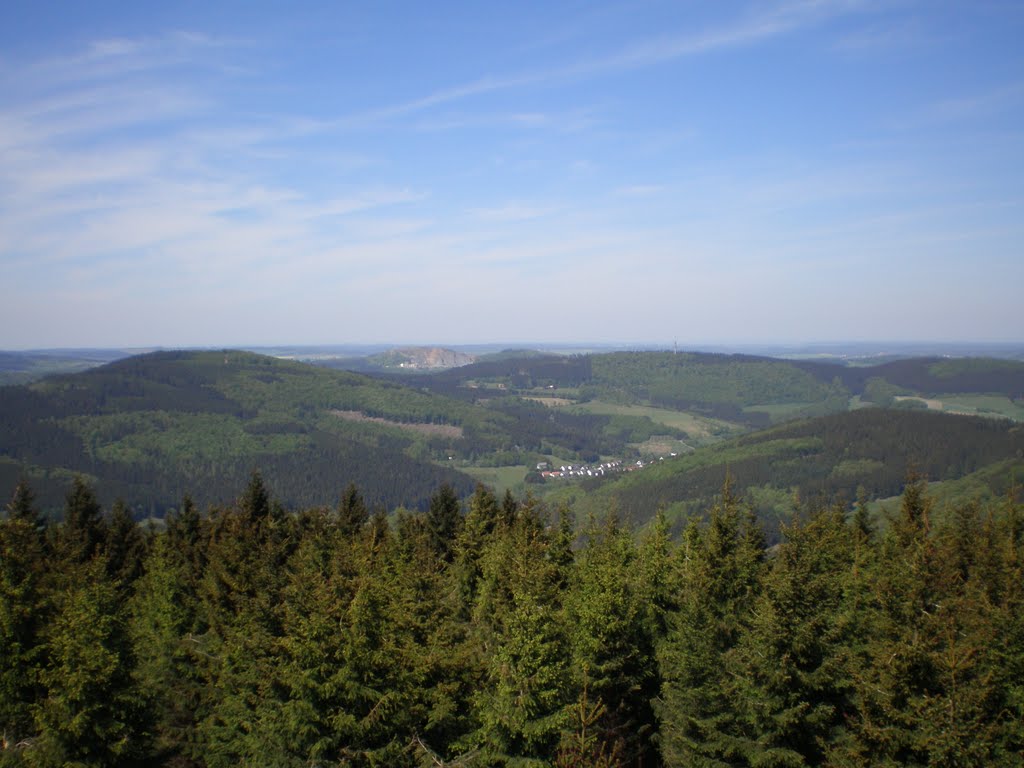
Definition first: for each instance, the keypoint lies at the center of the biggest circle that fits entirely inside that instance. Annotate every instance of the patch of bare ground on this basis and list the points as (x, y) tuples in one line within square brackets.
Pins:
[(431, 430)]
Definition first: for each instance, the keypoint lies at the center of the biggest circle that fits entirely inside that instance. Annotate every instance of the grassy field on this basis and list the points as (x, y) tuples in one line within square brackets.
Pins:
[(498, 478), (661, 446), (697, 427), (982, 405), (998, 406)]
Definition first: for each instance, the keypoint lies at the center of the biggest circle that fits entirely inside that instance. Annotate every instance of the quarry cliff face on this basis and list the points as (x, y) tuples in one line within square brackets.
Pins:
[(428, 358)]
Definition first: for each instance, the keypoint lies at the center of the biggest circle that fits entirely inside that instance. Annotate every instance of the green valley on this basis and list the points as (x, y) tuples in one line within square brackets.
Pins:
[(151, 428)]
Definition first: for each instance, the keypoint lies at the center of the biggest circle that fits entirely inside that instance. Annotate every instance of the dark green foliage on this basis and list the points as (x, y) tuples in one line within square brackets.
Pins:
[(23, 505), (829, 457), (91, 713), (719, 580), (125, 546), (22, 615), (254, 504), (163, 618), (352, 511), (252, 636), (444, 519), (150, 428), (84, 531), (791, 677), (521, 703), (612, 644), (154, 427), (706, 380), (240, 604), (583, 746), (927, 692)]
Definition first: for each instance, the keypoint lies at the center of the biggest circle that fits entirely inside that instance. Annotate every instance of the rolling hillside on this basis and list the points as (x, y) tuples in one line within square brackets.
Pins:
[(870, 451), (153, 427), (743, 389)]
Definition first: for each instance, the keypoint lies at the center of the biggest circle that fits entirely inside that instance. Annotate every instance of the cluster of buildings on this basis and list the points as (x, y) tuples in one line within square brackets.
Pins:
[(592, 470), (581, 470)]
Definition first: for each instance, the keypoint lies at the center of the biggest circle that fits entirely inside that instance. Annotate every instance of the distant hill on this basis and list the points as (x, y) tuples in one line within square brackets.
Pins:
[(745, 389), (154, 427), (24, 367)]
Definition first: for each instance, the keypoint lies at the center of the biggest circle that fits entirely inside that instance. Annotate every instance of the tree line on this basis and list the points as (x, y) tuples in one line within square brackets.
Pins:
[(493, 631)]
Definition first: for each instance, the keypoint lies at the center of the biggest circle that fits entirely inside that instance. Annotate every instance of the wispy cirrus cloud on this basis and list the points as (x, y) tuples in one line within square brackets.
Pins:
[(119, 158), (763, 24), (256, 186), (513, 212), (120, 57), (986, 102)]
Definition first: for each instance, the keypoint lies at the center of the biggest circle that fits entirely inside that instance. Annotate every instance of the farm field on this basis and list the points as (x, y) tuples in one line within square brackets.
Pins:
[(498, 478), (997, 406), (697, 427), (982, 405)]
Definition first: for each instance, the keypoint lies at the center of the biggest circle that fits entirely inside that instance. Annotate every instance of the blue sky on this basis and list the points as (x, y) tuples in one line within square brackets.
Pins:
[(622, 172)]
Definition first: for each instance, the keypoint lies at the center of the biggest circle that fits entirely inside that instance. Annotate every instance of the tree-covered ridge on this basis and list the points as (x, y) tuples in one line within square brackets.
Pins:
[(750, 390), (496, 632), (866, 451), (153, 427), (666, 377)]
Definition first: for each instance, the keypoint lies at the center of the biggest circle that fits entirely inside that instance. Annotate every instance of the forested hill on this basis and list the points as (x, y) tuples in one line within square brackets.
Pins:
[(930, 375), (745, 389), (869, 451), (153, 427)]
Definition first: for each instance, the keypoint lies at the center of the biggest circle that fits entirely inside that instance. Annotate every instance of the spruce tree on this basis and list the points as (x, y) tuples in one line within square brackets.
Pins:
[(930, 691), (241, 606), (162, 618), (792, 684), (612, 641), (352, 511), (444, 519), (719, 578), (124, 546), (23, 615), (521, 706), (84, 531), (92, 713)]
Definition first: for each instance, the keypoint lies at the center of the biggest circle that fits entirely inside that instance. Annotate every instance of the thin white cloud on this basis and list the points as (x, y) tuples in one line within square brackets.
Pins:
[(767, 23), (513, 212), (982, 104), (130, 187), (84, 196), (872, 39)]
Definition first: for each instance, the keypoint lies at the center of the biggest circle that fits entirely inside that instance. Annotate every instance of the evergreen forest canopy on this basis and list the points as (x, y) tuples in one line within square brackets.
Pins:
[(502, 632)]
